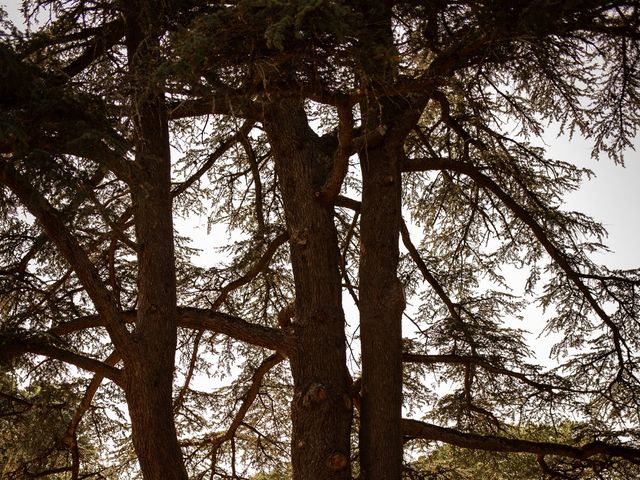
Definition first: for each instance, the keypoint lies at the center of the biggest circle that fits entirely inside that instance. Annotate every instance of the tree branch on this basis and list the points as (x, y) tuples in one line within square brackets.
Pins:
[(332, 186), (416, 429), (216, 105), (14, 345), (51, 221), (108, 35), (483, 363), (214, 156), (256, 268), (247, 399), (554, 252), (198, 319), (71, 438)]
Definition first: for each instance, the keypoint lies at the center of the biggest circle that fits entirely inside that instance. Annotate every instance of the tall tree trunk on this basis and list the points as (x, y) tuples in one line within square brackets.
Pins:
[(149, 369), (381, 307), (321, 410), (381, 293)]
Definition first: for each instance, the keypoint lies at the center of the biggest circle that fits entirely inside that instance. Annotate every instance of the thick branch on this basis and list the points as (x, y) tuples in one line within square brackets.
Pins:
[(198, 319), (216, 105), (13, 346), (246, 278), (108, 36), (332, 186), (427, 431)]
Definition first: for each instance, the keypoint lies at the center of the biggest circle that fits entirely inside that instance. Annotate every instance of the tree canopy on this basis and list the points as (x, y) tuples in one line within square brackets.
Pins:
[(368, 175)]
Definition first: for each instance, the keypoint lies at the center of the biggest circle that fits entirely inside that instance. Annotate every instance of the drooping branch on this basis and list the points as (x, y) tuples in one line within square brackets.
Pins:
[(414, 429), (256, 268), (486, 365), (426, 273), (247, 399), (453, 309), (70, 249), (182, 392), (242, 132), (257, 181), (538, 231), (216, 439), (343, 259), (71, 438), (14, 345)]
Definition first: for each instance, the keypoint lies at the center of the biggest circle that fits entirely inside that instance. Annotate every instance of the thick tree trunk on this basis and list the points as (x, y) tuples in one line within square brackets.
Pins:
[(149, 371), (321, 410), (381, 293), (149, 399), (149, 368), (381, 307)]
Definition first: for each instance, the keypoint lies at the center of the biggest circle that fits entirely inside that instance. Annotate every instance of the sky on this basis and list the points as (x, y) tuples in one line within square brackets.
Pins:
[(612, 197)]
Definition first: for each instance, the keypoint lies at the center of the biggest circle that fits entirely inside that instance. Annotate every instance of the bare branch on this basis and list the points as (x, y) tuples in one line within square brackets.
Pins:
[(427, 431)]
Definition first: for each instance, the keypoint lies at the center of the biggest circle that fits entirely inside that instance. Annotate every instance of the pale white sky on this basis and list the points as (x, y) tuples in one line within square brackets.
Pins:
[(612, 197)]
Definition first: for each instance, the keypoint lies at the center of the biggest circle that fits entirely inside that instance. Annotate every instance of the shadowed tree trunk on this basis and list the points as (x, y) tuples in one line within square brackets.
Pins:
[(382, 300), (149, 367), (381, 307), (321, 410)]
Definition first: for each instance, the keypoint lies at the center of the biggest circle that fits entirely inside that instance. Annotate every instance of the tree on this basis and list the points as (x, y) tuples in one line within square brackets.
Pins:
[(266, 104)]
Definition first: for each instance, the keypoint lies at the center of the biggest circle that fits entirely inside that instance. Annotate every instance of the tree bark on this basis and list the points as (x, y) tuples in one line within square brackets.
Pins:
[(149, 368), (381, 306), (321, 410), (381, 293)]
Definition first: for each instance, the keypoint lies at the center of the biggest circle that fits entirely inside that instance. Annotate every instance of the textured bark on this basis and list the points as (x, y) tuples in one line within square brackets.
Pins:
[(321, 410), (381, 293), (149, 371), (381, 307)]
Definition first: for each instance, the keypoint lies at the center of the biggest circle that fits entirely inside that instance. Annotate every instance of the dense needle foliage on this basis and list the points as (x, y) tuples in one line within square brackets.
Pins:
[(360, 168)]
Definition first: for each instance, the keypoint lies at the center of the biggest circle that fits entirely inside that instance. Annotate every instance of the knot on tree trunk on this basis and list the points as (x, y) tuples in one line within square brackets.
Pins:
[(337, 462), (315, 394)]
